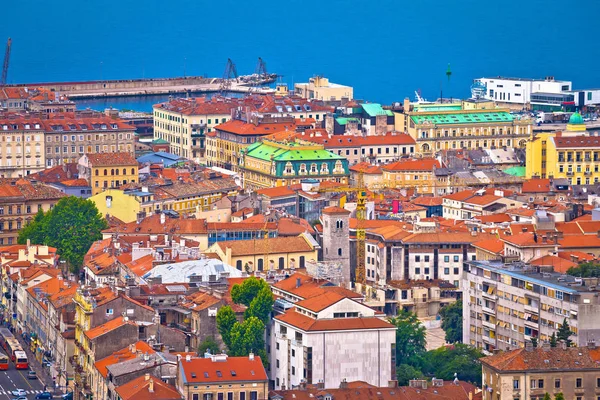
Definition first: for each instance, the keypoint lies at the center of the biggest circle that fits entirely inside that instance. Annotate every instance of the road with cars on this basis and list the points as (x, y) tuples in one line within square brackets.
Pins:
[(13, 379)]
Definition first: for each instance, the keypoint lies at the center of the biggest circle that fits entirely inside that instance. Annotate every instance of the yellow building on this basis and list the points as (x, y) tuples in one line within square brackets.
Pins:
[(108, 170), (223, 147), (467, 125), (418, 174), (123, 205), (570, 154), (320, 88), (267, 254)]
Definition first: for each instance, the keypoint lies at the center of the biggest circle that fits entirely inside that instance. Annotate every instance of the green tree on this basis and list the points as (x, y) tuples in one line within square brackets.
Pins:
[(245, 292), (261, 306), (452, 321), (547, 396), (71, 226), (585, 270), (405, 373), (225, 322), (208, 344), (553, 340), (459, 358), (559, 396), (564, 332), (534, 342), (248, 337), (410, 338)]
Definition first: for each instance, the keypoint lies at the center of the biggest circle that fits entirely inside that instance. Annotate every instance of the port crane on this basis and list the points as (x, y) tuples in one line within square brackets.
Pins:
[(261, 68), (361, 215), (229, 74), (6, 62)]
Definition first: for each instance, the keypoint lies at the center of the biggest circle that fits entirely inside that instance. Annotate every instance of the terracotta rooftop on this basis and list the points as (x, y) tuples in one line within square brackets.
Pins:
[(460, 196), (320, 302), (493, 245), (536, 185), (540, 359), (428, 201), (278, 245), (106, 327), (334, 210), (366, 168), (310, 287), (238, 127), (527, 239), (423, 164), (232, 369), (307, 324), (558, 264), (493, 218), (125, 354), (147, 388), (112, 159), (281, 191)]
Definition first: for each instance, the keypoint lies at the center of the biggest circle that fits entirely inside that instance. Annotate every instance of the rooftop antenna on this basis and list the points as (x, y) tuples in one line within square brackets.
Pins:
[(449, 75)]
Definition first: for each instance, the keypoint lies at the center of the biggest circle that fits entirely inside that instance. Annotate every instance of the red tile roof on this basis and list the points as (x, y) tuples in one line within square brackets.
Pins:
[(112, 159), (307, 324), (423, 164), (335, 210), (570, 142), (320, 302), (536, 185), (558, 264), (428, 201), (278, 245), (139, 389), (310, 287), (483, 200), (107, 327), (232, 369), (460, 196), (579, 241), (125, 354), (337, 141), (579, 256), (281, 191), (494, 218), (527, 239), (493, 245), (540, 359), (238, 127)]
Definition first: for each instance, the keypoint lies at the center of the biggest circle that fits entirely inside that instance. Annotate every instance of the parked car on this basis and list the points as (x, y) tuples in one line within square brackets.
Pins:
[(67, 396), (19, 392), (19, 398), (31, 375), (44, 396)]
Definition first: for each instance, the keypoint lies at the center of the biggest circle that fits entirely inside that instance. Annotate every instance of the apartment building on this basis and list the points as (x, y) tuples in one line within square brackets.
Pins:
[(506, 305), (311, 340), (22, 146), (320, 88), (69, 136), (376, 149), (20, 200), (414, 173), (519, 91), (222, 377), (108, 170), (531, 373), (469, 204)]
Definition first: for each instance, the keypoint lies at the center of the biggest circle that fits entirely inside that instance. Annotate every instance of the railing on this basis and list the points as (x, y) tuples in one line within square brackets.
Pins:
[(570, 173)]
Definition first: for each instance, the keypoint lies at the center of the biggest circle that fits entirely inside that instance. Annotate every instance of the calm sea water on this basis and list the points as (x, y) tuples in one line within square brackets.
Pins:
[(385, 49)]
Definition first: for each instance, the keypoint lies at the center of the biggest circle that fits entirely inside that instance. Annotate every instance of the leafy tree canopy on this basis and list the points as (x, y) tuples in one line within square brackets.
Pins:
[(248, 337), (245, 292), (405, 373), (585, 270), (261, 306), (209, 344), (452, 322), (410, 337), (71, 226), (459, 358), (225, 321)]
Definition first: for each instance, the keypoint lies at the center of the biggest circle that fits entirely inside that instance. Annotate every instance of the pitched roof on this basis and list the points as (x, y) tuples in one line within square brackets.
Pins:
[(493, 245), (231, 369), (141, 266), (541, 359), (305, 323), (112, 159), (239, 127), (139, 389), (579, 241), (460, 196), (423, 164), (334, 210), (558, 264), (536, 185), (580, 256), (286, 244), (106, 327), (118, 356), (428, 201), (527, 239), (494, 218), (281, 191), (320, 302), (305, 286)]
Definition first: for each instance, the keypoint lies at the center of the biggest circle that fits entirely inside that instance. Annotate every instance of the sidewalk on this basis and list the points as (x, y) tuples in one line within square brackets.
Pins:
[(35, 365)]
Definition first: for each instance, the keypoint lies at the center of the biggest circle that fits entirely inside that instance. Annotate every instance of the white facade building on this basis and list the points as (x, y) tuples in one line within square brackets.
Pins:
[(519, 90), (330, 338)]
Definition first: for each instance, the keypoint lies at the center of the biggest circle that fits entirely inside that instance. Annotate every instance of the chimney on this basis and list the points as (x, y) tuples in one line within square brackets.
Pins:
[(470, 395), (298, 282), (344, 384), (591, 344), (563, 344), (162, 218), (188, 358), (251, 356), (151, 386), (147, 376), (528, 346), (546, 345), (545, 239), (320, 384)]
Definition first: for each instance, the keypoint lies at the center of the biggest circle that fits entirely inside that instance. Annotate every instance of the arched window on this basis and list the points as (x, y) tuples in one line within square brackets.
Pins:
[(340, 251), (124, 171), (260, 264), (112, 172), (105, 172), (281, 262), (117, 171), (301, 261), (132, 171), (97, 172), (238, 264)]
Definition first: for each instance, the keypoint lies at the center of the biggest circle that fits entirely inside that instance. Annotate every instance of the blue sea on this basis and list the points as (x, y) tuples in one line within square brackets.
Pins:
[(385, 49)]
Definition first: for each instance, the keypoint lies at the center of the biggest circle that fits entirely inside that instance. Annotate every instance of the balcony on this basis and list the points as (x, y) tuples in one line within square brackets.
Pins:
[(532, 309), (488, 310), (570, 173), (486, 295), (488, 324), (488, 339), (588, 173)]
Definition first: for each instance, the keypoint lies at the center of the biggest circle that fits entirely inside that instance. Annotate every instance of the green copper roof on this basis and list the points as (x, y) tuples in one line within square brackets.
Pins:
[(264, 151), (437, 107), (159, 141), (344, 121), (515, 171), (374, 109), (576, 119), (463, 118)]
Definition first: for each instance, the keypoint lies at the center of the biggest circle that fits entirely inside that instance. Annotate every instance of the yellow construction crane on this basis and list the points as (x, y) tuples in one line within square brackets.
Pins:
[(361, 214)]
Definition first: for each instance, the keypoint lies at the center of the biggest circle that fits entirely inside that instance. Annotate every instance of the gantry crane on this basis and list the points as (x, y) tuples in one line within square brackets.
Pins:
[(361, 215), (6, 62), (229, 74)]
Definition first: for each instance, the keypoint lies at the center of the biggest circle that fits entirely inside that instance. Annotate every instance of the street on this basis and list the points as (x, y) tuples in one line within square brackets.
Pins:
[(17, 379)]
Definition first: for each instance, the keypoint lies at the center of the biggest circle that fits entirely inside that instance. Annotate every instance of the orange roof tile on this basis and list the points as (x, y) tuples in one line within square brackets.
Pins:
[(107, 327), (428, 201), (320, 302), (233, 369), (306, 323), (493, 245), (423, 164), (139, 389), (310, 287), (579, 241), (334, 210), (483, 200), (239, 127), (579, 256), (281, 191), (140, 266), (494, 218), (122, 355), (536, 186), (460, 196), (540, 359), (558, 264), (278, 245), (527, 239)]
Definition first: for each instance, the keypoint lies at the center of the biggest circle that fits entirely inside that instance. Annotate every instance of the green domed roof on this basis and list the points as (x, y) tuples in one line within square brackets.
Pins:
[(576, 119)]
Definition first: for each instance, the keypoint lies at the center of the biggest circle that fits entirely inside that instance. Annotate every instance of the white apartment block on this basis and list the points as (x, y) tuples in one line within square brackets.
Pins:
[(507, 305), (330, 338), (519, 90)]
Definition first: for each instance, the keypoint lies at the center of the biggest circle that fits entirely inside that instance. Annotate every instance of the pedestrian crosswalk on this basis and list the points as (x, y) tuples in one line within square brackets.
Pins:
[(9, 393)]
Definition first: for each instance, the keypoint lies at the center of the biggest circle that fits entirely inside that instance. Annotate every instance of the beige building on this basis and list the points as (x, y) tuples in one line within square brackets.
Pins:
[(108, 170), (320, 88), (21, 147), (508, 305), (531, 373), (438, 127), (222, 377), (417, 173), (268, 254)]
